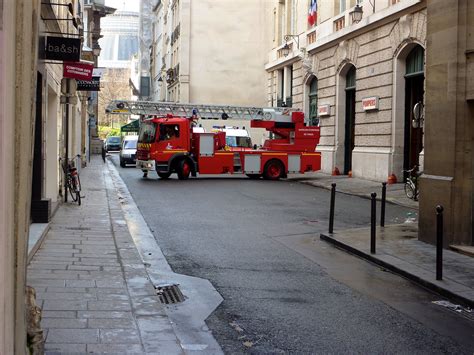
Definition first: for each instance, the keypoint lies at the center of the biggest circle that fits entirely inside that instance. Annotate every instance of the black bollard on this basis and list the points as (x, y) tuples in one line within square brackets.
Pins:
[(439, 242), (373, 213), (331, 208), (382, 206)]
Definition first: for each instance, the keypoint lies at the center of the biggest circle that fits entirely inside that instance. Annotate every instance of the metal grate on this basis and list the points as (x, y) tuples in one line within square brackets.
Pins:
[(78, 228), (169, 293)]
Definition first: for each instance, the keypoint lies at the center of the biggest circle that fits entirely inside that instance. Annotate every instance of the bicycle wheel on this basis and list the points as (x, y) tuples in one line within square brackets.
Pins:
[(78, 189), (71, 189), (409, 189)]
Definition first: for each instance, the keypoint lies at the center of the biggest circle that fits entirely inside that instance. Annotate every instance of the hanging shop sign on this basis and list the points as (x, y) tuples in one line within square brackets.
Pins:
[(370, 103), (98, 72), (92, 85), (324, 110), (79, 71), (61, 48)]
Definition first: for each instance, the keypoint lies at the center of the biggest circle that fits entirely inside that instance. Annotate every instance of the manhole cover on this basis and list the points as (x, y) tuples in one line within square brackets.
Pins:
[(169, 293)]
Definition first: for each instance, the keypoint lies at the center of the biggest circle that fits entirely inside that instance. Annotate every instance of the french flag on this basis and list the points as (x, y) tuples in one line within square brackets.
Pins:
[(313, 12)]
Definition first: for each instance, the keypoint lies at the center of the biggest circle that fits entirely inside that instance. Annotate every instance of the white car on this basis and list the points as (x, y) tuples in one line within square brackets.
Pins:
[(128, 150)]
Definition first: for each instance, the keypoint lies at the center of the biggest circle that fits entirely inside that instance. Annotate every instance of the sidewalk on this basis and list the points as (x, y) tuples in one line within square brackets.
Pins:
[(91, 282), (398, 248), (358, 187)]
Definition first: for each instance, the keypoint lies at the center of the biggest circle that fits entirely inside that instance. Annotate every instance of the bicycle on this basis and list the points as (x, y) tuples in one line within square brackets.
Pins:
[(411, 183), (72, 182)]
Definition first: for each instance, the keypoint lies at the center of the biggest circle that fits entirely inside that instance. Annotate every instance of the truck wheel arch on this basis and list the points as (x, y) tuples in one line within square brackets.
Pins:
[(175, 160)]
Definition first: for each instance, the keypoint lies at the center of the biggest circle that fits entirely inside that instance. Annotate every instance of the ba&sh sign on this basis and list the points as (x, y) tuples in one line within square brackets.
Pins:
[(61, 48)]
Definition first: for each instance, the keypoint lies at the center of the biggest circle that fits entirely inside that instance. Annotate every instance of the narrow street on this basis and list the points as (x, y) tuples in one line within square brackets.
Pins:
[(284, 290)]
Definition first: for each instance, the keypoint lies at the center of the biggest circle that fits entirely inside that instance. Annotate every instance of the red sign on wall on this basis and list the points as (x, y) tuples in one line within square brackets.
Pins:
[(79, 71), (370, 103)]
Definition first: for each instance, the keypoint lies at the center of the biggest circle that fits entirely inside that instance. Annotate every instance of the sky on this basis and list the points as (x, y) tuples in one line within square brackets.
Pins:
[(127, 5)]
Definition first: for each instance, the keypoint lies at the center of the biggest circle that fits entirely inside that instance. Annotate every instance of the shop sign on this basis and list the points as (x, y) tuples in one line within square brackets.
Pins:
[(370, 103), (93, 85), (324, 110), (62, 48), (98, 72), (79, 71)]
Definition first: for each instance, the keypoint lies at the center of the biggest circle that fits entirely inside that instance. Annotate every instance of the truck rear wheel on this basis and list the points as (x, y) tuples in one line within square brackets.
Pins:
[(273, 170), (184, 169)]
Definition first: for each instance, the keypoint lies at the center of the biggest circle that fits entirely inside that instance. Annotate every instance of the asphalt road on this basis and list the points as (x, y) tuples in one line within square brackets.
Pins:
[(244, 236)]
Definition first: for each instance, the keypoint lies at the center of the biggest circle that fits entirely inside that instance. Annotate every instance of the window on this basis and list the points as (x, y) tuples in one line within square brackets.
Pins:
[(128, 46), (147, 132), (169, 132), (313, 102), (415, 62), (393, 2), (342, 6)]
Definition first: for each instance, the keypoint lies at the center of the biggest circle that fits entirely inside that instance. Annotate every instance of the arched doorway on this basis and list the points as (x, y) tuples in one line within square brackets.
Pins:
[(313, 102), (349, 135), (414, 93)]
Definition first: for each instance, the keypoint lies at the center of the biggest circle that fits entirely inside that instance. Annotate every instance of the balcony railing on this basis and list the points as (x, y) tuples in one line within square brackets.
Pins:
[(340, 23), (175, 35)]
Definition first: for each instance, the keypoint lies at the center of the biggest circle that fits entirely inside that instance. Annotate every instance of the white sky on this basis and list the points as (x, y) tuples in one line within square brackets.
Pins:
[(127, 5)]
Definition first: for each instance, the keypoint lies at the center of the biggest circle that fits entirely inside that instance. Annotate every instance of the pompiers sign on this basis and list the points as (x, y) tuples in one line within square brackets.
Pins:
[(61, 48)]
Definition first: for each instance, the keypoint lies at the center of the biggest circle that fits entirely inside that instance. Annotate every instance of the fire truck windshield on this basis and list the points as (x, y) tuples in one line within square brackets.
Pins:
[(147, 132)]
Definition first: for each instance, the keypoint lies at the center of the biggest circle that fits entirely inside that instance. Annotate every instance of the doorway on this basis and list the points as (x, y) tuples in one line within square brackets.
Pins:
[(349, 136), (414, 93)]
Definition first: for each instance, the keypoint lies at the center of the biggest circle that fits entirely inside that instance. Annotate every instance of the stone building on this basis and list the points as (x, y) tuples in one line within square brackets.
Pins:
[(41, 119), (359, 79), (449, 140), (210, 52), (119, 43)]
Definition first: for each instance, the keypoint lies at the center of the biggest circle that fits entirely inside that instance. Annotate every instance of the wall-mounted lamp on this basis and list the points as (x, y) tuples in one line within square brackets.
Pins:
[(286, 48), (96, 49), (356, 14)]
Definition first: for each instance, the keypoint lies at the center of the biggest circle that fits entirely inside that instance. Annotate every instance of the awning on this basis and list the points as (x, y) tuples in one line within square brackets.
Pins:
[(130, 127)]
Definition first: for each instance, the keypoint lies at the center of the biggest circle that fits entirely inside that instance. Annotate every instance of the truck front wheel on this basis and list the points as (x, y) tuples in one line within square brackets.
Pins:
[(184, 169), (273, 170)]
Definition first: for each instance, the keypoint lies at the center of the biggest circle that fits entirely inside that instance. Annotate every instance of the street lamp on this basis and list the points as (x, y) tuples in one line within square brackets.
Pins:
[(356, 14), (286, 48), (96, 49)]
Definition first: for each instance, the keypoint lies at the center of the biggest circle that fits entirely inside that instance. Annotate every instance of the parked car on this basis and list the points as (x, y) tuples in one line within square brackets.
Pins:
[(112, 143), (128, 150)]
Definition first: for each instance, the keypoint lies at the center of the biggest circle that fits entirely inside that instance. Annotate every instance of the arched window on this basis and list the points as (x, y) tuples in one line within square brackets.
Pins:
[(351, 79), (313, 102), (415, 65)]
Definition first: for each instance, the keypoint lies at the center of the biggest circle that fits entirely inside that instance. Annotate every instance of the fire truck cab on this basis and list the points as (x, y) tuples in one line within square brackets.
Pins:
[(168, 142)]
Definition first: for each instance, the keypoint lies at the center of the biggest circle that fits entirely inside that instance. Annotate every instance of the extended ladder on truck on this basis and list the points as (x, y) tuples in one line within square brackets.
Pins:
[(192, 111)]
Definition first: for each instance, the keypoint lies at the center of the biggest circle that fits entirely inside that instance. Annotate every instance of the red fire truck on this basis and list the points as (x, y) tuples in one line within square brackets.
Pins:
[(170, 142)]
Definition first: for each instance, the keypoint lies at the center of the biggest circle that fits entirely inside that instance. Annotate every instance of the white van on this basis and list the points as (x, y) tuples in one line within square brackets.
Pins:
[(128, 150)]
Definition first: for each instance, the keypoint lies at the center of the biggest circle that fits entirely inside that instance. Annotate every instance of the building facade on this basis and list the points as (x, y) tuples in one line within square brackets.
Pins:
[(448, 178), (210, 52), (41, 119), (120, 45), (359, 79)]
